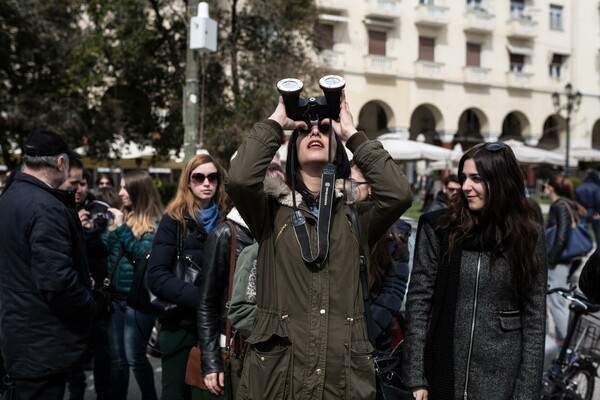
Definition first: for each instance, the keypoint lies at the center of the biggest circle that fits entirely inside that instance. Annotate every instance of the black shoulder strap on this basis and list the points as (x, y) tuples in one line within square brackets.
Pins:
[(108, 279), (179, 239), (363, 276)]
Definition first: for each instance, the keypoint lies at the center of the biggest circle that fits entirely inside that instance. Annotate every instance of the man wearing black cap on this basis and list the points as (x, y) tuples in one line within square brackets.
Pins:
[(45, 293)]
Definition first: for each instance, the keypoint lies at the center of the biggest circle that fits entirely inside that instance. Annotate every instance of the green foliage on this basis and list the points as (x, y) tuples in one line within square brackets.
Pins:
[(167, 191), (94, 70)]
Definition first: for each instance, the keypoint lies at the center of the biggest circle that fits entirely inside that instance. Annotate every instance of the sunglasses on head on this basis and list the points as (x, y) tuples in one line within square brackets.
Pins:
[(494, 146), (199, 178)]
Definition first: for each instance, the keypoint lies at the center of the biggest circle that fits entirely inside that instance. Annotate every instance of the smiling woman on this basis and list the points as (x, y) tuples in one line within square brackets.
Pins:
[(477, 330)]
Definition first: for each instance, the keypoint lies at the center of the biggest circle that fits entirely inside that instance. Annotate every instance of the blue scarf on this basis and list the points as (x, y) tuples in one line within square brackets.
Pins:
[(208, 216)]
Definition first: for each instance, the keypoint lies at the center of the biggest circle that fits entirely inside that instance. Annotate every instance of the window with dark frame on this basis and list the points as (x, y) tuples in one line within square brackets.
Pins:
[(325, 36), (555, 67), (517, 62), (556, 17), (377, 43), (426, 48), (473, 54)]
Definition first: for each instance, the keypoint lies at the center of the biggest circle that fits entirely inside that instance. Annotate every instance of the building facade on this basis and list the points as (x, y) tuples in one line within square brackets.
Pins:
[(466, 71)]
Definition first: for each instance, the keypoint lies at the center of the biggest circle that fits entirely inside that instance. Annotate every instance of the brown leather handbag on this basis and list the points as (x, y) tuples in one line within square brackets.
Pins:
[(193, 371)]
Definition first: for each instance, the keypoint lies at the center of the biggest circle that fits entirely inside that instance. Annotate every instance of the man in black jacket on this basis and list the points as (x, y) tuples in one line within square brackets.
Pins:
[(93, 216), (450, 188), (45, 291)]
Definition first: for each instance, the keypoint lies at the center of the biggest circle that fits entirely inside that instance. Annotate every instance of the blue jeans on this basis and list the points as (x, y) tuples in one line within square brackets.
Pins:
[(128, 332)]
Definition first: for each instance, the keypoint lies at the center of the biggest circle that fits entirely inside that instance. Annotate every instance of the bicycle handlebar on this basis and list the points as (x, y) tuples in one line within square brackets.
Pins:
[(571, 294)]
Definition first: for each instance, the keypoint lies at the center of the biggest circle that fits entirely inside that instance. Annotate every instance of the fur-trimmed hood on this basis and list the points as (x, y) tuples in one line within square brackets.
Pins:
[(275, 187)]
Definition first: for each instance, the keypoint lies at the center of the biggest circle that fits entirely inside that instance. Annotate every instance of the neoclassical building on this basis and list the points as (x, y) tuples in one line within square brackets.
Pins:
[(466, 71)]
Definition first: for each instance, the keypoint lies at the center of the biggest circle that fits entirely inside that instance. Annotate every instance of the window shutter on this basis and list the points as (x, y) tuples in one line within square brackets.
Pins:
[(426, 47), (377, 41), (473, 54)]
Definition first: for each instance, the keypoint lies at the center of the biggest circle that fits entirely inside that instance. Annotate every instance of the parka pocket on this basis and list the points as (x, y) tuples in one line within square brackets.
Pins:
[(267, 372), (359, 371), (510, 320)]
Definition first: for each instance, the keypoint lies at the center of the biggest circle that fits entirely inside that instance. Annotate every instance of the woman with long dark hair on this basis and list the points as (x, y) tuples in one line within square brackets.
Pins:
[(475, 322), (194, 211), (130, 238), (309, 338)]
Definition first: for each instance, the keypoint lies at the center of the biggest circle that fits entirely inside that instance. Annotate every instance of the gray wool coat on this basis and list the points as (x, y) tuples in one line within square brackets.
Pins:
[(507, 351)]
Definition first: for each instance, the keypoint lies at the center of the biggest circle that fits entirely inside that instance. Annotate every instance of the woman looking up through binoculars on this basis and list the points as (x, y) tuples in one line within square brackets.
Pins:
[(309, 338)]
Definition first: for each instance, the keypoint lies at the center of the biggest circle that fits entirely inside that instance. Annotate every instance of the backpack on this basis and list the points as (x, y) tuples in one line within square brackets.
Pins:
[(243, 297)]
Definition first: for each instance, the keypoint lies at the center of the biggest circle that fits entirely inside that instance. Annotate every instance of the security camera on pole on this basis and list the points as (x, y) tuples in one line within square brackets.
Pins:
[(202, 38)]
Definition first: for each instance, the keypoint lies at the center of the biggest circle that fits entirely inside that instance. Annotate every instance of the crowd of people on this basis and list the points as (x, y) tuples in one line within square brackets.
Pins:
[(476, 305)]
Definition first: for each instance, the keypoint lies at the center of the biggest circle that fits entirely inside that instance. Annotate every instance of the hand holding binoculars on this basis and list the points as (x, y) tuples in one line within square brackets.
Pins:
[(312, 110)]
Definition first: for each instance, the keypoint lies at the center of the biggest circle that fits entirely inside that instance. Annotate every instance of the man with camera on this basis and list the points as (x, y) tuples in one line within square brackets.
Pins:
[(93, 215), (45, 290)]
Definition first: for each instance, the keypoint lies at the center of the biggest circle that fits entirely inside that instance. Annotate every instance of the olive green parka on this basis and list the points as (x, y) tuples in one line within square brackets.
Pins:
[(309, 338)]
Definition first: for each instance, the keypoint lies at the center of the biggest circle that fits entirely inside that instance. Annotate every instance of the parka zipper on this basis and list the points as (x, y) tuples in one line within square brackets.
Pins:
[(281, 230), (465, 395)]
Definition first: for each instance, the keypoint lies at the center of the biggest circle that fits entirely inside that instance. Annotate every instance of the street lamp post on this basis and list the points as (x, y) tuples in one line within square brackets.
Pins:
[(202, 38), (572, 104)]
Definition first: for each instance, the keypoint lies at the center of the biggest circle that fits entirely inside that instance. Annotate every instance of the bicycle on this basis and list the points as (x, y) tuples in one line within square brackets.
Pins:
[(571, 375)]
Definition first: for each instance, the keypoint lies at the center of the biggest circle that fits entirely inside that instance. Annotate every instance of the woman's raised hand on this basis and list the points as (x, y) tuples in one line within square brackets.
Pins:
[(280, 116), (344, 128)]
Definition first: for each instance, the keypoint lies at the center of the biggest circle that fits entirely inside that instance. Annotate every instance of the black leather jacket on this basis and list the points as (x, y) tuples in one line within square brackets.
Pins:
[(211, 311), (560, 217), (162, 281)]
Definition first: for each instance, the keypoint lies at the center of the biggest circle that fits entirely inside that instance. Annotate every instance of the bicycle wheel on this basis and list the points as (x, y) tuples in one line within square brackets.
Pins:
[(580, 384)]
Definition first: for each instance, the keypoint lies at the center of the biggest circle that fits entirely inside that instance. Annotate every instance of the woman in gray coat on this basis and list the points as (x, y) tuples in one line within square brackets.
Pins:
[(475, 320)]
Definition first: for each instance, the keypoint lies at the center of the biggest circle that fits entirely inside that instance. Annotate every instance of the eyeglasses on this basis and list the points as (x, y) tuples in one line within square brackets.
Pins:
[(494, 146), (199, 178)]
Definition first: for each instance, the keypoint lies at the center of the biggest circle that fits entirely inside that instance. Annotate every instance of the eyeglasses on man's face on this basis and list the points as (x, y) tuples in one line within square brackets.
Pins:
[(354, 181)]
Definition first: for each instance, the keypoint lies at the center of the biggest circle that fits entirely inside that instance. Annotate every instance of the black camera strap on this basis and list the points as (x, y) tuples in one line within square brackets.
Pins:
[(323, 221)]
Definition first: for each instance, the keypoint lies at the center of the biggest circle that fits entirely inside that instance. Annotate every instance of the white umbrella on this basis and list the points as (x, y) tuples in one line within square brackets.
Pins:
[(581, 154), (533, 155), (404, 149)]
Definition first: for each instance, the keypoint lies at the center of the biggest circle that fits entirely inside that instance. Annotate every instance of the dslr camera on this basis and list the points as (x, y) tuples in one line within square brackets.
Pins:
[(312, 110), (102, 219)]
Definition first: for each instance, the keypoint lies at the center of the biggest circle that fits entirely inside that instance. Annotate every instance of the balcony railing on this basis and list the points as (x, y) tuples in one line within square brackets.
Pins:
[(383, 8), (476, 75), (338, 5), (479, 21), (518, 79), (432, 15), (380, 65), (429, 70), (522, 28), (331, 59)]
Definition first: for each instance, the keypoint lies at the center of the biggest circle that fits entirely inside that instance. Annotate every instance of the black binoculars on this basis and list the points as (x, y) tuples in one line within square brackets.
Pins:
[(314, 109)]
